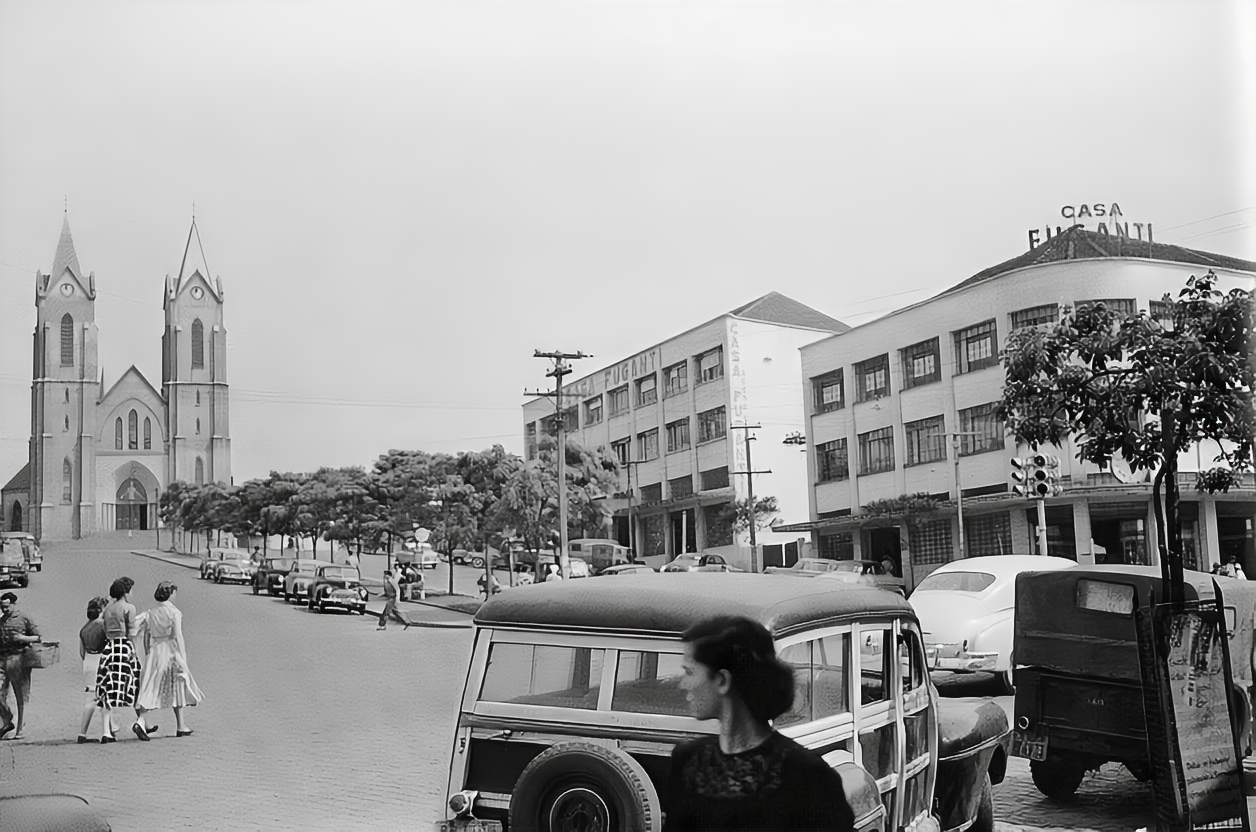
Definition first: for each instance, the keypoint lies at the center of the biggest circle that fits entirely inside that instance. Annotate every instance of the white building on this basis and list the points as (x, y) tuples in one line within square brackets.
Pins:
[(671, 413), (887, 397)]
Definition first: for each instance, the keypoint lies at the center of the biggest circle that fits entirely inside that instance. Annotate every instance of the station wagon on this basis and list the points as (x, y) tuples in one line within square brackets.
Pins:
[(573, 704)]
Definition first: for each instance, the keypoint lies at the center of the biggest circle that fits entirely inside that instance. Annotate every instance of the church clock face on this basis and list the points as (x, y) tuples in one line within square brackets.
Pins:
[(197, 293), (67, 289)]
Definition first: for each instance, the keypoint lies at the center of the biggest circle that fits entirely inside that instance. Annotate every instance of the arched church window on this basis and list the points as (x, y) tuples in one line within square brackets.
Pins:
[(67, 394), (148, 434), (67, 340), (198, 398), (66, 426), (132, 431), (198, 426), (67, 482), (200, 471), (117, 434), (198, 344)]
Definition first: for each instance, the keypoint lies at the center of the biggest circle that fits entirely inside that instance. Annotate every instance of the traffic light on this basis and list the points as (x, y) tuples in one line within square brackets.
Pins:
[(1048, 484), (1023, 470), (1036, 477)]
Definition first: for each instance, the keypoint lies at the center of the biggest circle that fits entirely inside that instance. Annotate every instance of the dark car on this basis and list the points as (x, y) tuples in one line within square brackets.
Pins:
[(338, 586), (269, 575), (573, 703), (1079, 689), (296, 584), (13, 564)]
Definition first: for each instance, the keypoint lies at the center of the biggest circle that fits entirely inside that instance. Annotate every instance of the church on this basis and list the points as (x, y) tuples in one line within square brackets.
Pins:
[(100, 458)]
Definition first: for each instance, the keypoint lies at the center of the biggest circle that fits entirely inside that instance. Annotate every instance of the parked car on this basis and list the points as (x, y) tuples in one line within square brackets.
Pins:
[(539, 736), (476, 559), (270, 574), (338, 586), (1079, 690), (967, 607), (866, 572), (13, 571), (232, 569), (601, 553), (212, 557), (807, 567), (296, 584), (422, 556), (626, 569), (30, 549), (699, 563), (576, 567)]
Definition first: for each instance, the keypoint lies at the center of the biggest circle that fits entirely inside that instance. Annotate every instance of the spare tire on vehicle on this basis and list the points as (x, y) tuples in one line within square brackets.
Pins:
[(579, 786)]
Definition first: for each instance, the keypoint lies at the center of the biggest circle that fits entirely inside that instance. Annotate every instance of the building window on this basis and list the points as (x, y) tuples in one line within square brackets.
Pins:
[(148, 434), (66, 424), (647, 390), (982, 420), (837, 546), (920, 363), (719, 532), (117, 434), (711, 425), (200, 471), (571, 419), (132, 431), (1036, 316), (675, 379), (831, 461), (1158, 311), (680, 487), (622, 449), (648, 444), (678, 435), (1123, 307), (198, 344), (652, 493), (653, 540), (67, 482), (872, 378), (987, 534), (198, 427), (926, 440), (529, 439), (715, 478), (829, 392), (67, 340), (930, 541), (618, 400), (67, 395), (976, 347), (876, 451), (711, 365), (198, 398), (593, 411)]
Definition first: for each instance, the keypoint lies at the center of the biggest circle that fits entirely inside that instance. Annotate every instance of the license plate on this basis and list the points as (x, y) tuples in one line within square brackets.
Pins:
[(1029, 745), (468, 825)]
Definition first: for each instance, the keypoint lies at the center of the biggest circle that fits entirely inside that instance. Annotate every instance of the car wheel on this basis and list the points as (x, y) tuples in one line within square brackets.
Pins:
[(578, 786), (478, 563), (984, 822), (1055, 777)]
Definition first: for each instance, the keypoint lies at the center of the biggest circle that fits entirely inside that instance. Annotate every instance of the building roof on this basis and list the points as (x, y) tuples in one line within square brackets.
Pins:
[(776, 308), (1079, 244), (66, 257), (21, 480)]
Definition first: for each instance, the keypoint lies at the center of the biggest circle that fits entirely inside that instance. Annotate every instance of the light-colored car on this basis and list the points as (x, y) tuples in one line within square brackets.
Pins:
[(30, 549), (967, 609), (627, 569), (699, 563), (297, 583), (807, 567), (865, 573), (231, 570)]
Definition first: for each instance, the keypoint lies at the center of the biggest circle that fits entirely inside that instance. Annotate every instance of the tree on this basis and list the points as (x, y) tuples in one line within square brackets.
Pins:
[(1145, 387), (739, 514), (170, 506)]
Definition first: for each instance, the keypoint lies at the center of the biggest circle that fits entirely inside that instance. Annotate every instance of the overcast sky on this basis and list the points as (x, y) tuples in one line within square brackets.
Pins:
[(404, 200)]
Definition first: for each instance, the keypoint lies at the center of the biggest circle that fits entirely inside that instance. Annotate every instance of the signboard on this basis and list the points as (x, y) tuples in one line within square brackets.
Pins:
[(1101, 217)]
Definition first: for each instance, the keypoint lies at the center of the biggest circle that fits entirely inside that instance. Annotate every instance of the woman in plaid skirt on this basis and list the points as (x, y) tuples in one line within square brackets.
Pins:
[(118, 680)]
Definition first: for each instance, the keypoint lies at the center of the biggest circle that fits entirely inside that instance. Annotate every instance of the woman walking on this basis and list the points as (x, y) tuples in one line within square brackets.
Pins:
[(166, 682), (91, 646), (118, 679), (749, 777)]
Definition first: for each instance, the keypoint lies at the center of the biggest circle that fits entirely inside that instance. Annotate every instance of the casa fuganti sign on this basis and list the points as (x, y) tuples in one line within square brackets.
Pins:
[(1106, 218)]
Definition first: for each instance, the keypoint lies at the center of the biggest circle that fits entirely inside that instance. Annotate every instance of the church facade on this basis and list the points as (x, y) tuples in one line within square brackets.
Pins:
[(100, 458)]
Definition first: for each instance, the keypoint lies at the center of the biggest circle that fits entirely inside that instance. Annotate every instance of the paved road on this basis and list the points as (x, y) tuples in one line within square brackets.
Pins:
[(319, 722)]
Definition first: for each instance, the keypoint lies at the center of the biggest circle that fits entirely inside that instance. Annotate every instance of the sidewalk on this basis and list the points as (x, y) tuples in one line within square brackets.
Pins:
[(438, 610)]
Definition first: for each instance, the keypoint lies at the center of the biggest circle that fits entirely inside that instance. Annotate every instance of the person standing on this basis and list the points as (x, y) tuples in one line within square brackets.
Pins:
[(91, 646), (166, 681), (118, 679), (749, 777), (17, 632), (391, 591)]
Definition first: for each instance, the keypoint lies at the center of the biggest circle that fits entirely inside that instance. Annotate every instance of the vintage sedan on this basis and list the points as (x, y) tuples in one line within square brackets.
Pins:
[(13, 570), (699, 563), (573, 704), (212, 557), (338, 586), (866, 573), (296, 584), (967, 607), (807, 567), (626, 569), (30, 549), (269, 575), (232, 570)]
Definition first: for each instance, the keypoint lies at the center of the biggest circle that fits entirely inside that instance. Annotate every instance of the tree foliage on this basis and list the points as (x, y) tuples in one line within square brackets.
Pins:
[(740, 515)]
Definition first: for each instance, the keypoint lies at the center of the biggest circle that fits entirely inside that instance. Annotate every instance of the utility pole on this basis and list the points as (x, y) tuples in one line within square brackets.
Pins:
[(959, 490), (749, 473), (560, 369)]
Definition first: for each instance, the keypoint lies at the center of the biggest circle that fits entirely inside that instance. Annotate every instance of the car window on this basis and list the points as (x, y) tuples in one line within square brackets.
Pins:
[(542, 674), (831, 682), (955, 582), (874, 682), (910, 664), (797, 656), (649, 683)]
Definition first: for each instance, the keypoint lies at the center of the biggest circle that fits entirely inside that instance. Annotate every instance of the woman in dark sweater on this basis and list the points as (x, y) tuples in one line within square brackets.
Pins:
[(749, 778)]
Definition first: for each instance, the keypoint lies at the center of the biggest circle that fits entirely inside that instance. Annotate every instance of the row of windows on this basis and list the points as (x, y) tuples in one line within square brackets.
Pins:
[(974, 348), (67, 342), (980, 430), (132, 432), (712, 425)]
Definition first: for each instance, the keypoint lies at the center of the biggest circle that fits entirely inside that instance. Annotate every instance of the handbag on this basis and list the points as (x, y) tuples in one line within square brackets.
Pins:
[(44, 654)]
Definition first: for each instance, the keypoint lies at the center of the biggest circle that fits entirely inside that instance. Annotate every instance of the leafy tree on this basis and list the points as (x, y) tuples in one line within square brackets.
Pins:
[(739, 514), (170, 505), (1146, 388)]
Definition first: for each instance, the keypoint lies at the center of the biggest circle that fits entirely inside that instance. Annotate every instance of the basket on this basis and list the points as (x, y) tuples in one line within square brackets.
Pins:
[(45, 654)]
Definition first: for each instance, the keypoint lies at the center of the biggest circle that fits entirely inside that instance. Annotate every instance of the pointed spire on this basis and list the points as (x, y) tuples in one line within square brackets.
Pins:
[(66, 257), (193, 257)]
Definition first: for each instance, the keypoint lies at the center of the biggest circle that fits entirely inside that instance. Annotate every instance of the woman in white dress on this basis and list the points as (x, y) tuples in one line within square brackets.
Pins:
[(166, 681)]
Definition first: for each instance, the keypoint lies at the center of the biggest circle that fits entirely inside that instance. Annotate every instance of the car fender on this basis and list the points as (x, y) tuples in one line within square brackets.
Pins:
[(993, 634), (973, 740)]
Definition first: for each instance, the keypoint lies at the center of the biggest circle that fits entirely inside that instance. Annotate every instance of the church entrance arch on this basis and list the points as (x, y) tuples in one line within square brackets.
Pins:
[(132, 511), (134, 504)]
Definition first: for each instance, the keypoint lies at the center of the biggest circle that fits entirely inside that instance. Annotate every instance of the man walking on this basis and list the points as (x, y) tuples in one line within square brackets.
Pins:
[(16, 632), (391, 591)]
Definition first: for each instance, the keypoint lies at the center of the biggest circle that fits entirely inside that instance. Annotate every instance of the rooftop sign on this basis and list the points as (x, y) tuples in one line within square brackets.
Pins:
[(1096, 217)]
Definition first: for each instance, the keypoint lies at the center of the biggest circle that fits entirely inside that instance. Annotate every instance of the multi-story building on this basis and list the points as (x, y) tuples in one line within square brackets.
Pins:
[(671, 414), (905, 404)]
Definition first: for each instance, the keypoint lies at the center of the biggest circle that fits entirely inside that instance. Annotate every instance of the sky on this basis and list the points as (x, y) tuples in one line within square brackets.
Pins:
[(404, 200)]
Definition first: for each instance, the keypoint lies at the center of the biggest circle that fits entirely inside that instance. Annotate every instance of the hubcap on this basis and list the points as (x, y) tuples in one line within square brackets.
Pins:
[(579, 809)]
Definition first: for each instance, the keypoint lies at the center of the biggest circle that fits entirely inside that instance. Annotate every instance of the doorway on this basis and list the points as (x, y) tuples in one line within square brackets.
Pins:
[(132, 506), (884, 543), (684, 532)]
